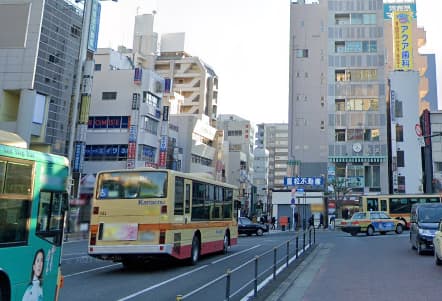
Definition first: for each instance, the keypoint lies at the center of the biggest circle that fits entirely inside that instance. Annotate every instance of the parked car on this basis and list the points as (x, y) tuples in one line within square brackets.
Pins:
[(246, 226), (437, 243), (424, 221), (371, 222)]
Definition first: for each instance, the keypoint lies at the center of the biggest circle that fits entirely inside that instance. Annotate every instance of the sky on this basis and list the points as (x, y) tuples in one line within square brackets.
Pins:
[(246, 42)]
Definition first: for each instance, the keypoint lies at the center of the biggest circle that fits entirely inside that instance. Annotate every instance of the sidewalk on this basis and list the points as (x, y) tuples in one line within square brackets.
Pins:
[(297, 279)]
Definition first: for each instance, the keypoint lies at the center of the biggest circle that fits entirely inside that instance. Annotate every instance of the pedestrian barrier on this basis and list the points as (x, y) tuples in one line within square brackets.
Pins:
[(245, 280)]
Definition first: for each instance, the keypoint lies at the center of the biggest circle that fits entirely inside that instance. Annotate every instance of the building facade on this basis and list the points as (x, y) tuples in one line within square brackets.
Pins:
[(125, 115), (39, 49)]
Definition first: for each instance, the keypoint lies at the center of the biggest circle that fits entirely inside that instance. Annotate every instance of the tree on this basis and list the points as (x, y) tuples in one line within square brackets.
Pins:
[(340, 190)]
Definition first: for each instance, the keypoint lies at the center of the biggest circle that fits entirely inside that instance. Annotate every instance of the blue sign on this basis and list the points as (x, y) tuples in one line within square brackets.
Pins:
[(295, 181)]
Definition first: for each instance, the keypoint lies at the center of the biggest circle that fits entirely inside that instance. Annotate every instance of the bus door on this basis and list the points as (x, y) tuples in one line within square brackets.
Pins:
[(187, 197), (383, 205), (183, 194)]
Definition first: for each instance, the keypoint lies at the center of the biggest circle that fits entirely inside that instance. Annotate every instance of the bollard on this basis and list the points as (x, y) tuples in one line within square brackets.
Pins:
[(255, 287), (274, 263), (228, 284), (303, 241), (288, 254), (314, 236), (309, 237), (297, 246)]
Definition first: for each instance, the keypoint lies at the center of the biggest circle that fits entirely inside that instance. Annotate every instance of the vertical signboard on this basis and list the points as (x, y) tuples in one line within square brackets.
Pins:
[(138, 75), (402, 40), (94, 26), (163, 151)]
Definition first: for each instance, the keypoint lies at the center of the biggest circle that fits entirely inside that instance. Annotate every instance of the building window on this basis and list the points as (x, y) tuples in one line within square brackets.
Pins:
[(399, 133), (97, 67), (109, 96), (150, 125), (340, 105), (400, 159), (401, 184), (373, 177), (371, 135), (301, 53), (340, 135), (398, 112)]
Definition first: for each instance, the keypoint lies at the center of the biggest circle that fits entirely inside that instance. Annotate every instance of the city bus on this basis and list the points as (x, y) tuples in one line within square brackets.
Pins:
[(33, 200), (396, 205), (147, 214)]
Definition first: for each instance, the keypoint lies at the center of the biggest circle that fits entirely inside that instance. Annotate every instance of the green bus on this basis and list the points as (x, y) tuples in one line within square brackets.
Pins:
[(33, 201)]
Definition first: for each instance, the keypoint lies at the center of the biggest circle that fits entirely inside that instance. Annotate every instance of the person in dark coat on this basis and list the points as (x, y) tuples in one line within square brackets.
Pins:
[(321, 221)]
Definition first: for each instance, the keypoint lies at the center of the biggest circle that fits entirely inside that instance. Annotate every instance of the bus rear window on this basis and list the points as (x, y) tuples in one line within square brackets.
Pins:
[(131, 185)]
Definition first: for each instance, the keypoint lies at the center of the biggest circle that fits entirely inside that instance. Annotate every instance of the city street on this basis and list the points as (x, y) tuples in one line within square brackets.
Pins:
[(380, 267)]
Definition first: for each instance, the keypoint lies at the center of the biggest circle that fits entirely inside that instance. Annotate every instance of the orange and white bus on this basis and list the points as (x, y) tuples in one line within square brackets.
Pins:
[(140, 214), (396, 205)]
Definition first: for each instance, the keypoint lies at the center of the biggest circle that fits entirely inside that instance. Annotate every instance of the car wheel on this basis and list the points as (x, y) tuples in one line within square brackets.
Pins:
[(259, 232), (370, 231), (436, 259), (195, 253), (225, 244), (419, 249), (399, 229)]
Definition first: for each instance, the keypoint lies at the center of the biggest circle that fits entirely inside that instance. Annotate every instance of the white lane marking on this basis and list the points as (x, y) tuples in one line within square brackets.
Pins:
[(71, 254), (161, 283), (92, 270), (227, 257)]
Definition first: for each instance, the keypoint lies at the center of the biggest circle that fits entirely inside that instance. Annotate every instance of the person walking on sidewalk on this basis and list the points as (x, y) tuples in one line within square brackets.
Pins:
[(321, 221)]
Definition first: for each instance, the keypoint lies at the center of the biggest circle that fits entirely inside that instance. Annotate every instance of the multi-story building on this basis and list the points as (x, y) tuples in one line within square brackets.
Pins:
[(308, 110), (38, 51), (239, 133), (274, 138), (340, 61), (189, 76), (125, 115)]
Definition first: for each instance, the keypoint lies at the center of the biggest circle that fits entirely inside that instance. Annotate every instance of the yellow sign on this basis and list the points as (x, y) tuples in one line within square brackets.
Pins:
[(402, 40)]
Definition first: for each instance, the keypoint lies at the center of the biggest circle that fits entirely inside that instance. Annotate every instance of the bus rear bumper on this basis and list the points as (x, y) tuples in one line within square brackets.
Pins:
[(115, 250)]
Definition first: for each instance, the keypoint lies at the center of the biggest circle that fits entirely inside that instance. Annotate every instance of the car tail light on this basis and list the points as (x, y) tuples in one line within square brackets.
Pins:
[(95, 210), (355, 223), (162, 237)]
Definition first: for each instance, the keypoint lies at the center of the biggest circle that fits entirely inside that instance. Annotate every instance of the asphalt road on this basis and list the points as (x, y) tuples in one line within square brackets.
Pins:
[(87, 278), (341, 267)]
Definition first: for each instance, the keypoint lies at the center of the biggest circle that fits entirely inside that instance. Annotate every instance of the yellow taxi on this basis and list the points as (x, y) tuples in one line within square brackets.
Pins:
[(371, 222), (437, 243)]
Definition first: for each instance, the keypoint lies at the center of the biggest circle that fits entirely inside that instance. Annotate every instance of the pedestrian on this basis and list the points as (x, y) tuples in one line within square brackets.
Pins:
[(321, 221), (273, 223), (311, 221)]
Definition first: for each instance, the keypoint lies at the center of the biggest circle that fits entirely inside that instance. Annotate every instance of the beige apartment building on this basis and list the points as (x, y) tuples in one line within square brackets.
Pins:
[(189, 76)]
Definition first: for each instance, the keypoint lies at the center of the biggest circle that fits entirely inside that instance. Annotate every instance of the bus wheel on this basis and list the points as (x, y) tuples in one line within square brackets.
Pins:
[(370, 231), (4, 290), (195, 253), (225, 244)]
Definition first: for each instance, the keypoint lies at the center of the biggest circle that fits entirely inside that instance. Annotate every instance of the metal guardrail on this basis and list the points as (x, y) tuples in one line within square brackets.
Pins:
[(260, 275)]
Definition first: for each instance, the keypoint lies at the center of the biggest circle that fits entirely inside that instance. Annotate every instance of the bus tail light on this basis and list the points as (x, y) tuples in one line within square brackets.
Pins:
[(93, 239), (162, 237), (163, 209), (95, 210)]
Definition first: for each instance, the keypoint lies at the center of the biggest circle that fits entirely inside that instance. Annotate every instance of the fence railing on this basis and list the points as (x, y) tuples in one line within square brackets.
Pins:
[(248, 278)]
